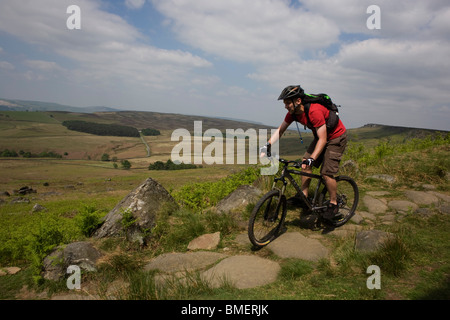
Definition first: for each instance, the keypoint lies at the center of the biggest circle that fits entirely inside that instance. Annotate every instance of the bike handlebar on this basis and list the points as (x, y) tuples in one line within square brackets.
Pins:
[(287, 162)]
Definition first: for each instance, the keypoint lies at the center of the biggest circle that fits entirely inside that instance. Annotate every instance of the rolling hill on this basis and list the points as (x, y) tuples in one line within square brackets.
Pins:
[(41, 130), (26, 105)]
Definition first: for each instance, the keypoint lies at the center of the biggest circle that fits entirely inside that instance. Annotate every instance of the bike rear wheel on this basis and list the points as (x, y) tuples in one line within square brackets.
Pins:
[(267, 218), (347, 199)]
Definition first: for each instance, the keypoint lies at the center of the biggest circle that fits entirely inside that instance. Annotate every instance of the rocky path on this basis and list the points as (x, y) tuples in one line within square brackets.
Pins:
[(248, 269)]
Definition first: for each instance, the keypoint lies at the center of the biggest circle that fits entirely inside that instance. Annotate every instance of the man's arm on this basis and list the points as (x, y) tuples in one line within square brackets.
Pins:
[(274, 138), (277, 135), (322, 135)]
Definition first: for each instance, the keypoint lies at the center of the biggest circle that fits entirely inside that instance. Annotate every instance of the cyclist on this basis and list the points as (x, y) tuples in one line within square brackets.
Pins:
[(326, 149)]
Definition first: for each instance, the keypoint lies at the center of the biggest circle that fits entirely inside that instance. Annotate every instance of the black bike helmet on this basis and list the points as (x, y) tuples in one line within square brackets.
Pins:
[(291, 92)]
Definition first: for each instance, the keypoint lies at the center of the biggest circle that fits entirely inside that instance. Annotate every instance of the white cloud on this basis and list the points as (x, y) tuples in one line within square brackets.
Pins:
[(106, 48), (134, 4), (398, 61), (400, 18), (254, 32), (349, 15), (399, 75), (6, 65), (43, 65), (377, 80), (440, 24)]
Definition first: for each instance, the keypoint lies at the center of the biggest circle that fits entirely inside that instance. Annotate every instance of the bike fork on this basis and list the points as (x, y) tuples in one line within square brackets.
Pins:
[(283, 188), (268, 215)]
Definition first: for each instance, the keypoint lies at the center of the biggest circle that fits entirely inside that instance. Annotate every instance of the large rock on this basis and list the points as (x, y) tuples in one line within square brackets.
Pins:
[(144, 204), (239, 199), (82, 254)]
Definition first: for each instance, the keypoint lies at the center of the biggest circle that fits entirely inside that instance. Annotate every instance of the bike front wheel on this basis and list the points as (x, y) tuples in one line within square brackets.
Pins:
[(347, 199), (267, 218)]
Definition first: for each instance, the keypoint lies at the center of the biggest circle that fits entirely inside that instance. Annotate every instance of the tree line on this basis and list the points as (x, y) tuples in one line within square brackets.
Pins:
[(26, 154), (150, 132), (170, 165), (101, 129)]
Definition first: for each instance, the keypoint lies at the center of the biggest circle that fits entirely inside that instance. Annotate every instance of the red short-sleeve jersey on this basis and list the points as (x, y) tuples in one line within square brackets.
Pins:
[(318, 115)]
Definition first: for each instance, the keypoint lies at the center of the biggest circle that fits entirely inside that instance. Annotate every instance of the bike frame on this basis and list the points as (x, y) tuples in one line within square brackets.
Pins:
[(286, 173)]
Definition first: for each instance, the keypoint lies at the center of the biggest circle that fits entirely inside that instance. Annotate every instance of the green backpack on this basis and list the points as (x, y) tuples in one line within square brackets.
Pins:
[(325, 100)]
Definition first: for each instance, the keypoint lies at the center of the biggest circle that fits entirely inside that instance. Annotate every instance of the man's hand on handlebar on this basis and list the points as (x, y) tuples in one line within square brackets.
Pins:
[(307, 163), (266, 150)]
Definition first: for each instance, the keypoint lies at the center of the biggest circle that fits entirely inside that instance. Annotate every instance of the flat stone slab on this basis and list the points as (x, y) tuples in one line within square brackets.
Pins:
[(175, 262), (346, 230), (9, 270), (374, 205), (296, 245), (378, 193), (371, 240), (403, 205), (243, 272), (441, 196), (367, 215), (208, 241), (420, 197)]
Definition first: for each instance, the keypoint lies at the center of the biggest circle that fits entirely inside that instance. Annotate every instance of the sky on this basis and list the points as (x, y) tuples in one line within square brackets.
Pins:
[(232, 58)]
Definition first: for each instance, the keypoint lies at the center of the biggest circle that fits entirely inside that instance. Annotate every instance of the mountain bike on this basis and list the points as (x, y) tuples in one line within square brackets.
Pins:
[(267, 217)]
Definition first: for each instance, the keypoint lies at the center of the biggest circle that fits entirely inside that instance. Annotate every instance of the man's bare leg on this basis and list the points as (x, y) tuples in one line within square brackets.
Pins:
[(306, 181), (332, 188)]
